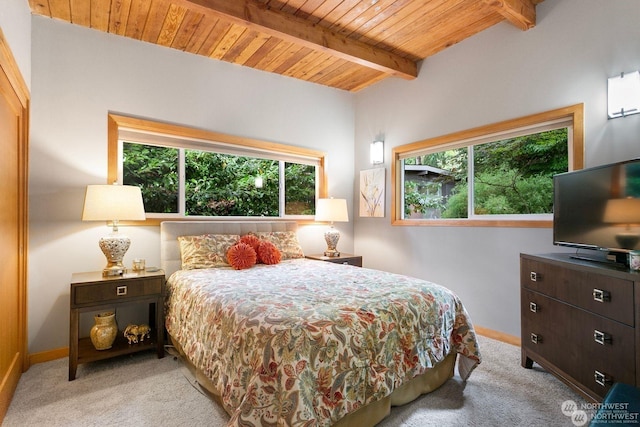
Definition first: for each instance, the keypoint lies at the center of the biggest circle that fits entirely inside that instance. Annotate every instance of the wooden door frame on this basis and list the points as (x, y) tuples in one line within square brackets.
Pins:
[(10, 69)]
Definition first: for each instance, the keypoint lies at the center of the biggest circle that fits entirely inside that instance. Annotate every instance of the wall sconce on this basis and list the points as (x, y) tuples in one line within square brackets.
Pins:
[(377, 152), (624, 95)]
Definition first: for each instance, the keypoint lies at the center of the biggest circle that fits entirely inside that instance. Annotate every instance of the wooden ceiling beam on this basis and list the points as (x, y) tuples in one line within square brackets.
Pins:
[(521, 13), (258, 17)]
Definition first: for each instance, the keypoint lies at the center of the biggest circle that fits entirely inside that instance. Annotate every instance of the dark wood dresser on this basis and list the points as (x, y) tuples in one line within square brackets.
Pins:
[(580, 321)]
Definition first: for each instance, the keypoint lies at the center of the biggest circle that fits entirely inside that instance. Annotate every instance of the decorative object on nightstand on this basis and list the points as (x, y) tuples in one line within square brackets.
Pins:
[(138, 264), (144, 331), (136, 333), (131, 334), (104, 332), (113, 203), (332, 210)]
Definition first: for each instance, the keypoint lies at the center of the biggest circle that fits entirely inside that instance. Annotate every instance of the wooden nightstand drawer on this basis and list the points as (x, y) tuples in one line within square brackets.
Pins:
[(354, 260), (604, 295), (116, 290), (346, 259)]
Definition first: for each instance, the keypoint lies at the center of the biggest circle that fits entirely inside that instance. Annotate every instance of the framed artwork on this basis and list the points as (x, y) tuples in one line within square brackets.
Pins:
[(372, 192)]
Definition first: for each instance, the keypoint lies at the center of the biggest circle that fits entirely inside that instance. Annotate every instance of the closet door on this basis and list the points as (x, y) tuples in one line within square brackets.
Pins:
[(13, 226)]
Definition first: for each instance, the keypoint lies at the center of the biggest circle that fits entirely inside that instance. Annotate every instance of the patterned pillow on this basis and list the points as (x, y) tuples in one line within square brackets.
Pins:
[(286, 242), (206, 251), (241, 256), (268, 253)]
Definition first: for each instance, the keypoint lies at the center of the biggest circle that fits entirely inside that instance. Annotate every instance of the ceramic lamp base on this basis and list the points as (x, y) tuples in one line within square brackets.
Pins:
[(114, 246), (627, 240), (332, 236)]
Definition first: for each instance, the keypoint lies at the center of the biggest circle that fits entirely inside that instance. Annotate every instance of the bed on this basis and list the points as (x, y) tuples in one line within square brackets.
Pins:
[(305, 342)]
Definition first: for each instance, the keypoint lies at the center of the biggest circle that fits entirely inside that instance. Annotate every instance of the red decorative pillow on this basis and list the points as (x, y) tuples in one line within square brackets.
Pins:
[(251, 240), (241, 256), (268, 253)]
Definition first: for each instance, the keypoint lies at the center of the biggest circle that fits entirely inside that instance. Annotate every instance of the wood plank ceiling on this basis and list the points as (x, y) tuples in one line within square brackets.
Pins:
[(346, 44)]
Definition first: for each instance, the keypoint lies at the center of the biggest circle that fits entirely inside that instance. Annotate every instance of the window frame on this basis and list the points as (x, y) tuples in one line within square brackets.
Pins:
[(573, 114), (120, 124)]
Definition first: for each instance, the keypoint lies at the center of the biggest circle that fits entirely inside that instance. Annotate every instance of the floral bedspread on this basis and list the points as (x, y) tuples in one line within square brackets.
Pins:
[(303, 343)]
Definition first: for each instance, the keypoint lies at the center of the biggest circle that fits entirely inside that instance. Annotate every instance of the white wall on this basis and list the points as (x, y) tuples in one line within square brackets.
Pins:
[(15, 23), (80, 75), (500, 74)]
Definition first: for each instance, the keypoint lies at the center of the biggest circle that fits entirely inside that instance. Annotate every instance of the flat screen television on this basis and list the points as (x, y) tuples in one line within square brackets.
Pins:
[(599, 209)]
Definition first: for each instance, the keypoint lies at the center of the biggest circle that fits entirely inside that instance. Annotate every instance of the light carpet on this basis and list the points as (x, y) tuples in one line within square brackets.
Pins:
[(141, 390)]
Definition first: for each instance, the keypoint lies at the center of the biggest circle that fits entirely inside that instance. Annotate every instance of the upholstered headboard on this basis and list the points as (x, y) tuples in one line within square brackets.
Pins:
[(170, 230)]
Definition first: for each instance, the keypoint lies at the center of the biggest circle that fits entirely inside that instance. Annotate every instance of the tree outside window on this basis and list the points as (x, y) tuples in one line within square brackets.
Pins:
[(217, 184), (510, 177), (502, 172)]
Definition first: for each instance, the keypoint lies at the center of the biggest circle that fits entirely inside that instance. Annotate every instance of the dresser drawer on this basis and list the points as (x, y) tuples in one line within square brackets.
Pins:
[(580, 343), (604, 295), (115, 290)]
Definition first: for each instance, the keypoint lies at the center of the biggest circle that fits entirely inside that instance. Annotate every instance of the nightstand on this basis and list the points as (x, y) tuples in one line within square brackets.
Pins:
[(93, 292), (348, 259)]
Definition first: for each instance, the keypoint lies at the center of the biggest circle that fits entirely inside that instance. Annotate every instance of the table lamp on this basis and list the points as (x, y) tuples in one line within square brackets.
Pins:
[(624, 211), (113, 203), (332, 210)]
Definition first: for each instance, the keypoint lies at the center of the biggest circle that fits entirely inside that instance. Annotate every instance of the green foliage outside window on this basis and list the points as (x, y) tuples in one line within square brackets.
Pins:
[(300, 194), (217, 184), (155, 171), (511, 176), (633, 180), (224, 185)]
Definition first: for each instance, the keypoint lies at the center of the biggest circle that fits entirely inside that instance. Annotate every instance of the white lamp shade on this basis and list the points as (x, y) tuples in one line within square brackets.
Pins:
[(624, 95), (622, 211), (113, 202), (332, 210)]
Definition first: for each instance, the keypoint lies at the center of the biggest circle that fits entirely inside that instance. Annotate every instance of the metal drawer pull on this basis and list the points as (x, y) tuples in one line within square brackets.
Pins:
[(534, 276), (601, 337), (601, 379), (600, 295), (536, 339), (533, 307), (121, 290)]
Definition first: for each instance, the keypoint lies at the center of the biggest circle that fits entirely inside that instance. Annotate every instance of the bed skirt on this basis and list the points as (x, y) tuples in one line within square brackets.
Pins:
[(374, 412)]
